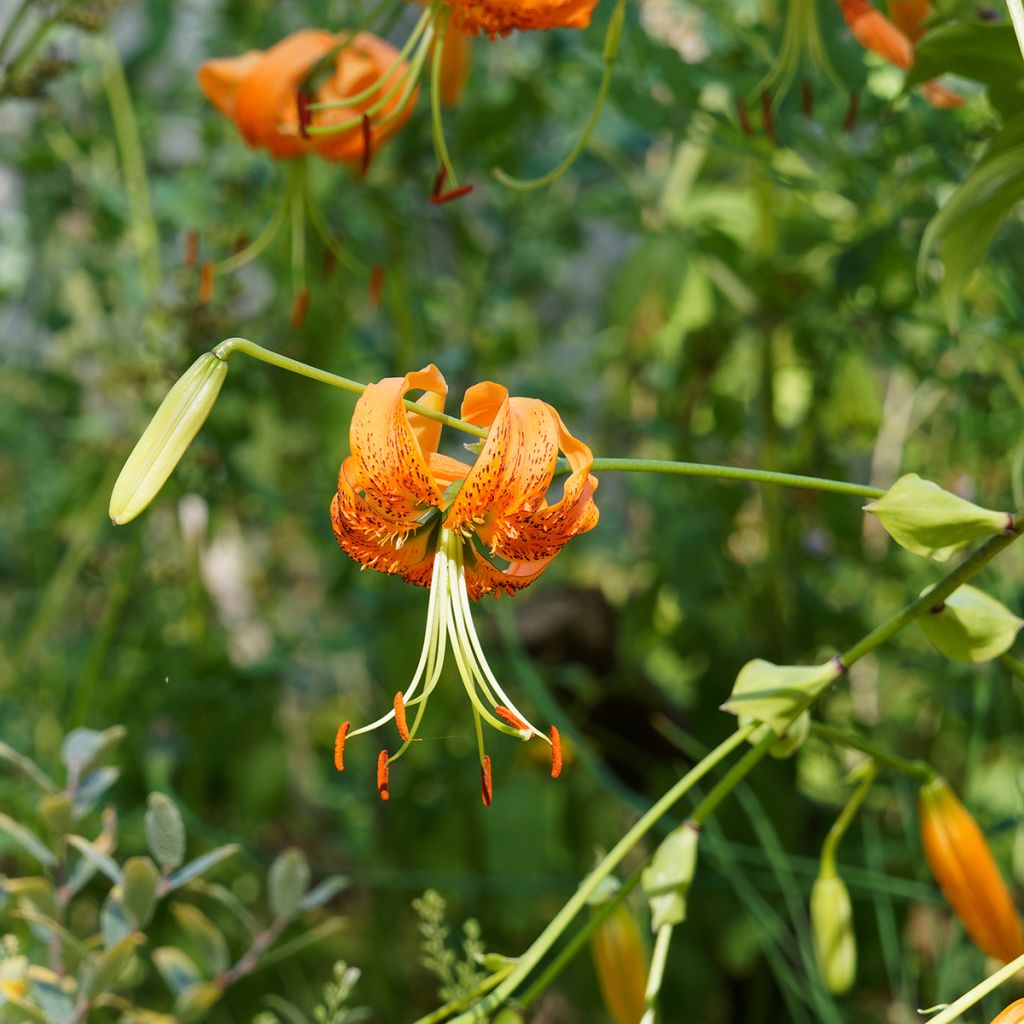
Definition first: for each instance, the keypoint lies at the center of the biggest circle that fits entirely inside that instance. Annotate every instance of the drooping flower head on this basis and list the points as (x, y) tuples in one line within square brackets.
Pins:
[(259, 91), (463, 530)]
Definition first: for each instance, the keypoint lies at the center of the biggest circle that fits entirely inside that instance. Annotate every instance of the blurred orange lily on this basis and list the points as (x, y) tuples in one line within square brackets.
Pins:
[(464, 531), (967, 873), (259, 91), (502, 17), (1013, 1014), (893, 40)]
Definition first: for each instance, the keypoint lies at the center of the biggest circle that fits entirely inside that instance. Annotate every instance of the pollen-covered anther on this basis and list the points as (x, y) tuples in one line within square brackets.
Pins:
[(511, 718), (556, 753), (339, 746), (486, 784), (383, 771), (403, 728)]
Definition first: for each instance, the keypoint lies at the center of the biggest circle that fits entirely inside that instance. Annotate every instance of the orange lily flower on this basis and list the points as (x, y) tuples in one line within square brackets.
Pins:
[(1013, 1014), (967, 873), (464, 531), (259, 91), (502, 17), (893, 40)]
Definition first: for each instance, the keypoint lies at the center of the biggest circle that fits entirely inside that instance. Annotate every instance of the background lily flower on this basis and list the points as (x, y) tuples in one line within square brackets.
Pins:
[(465, 531), (501, 17)]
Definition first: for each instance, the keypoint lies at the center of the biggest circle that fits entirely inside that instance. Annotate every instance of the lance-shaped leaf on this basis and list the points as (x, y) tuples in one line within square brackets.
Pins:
[(196, 1002), (100, 860), (324, 891), (667, 879), (92, 788), (166, 439), (199, 866), (777, 694), (205, 936), (101, 972), (176, 968), (927, 520), (27, 840), (82, 749), (27, 767), (971, 626), (287, 882)]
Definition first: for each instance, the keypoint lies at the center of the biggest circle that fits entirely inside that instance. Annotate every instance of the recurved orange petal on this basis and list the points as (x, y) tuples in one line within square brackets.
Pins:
[(499, 17), (456, 58), (875, 32), (909, 16), (266, 108), (220, 78), (940, 97)]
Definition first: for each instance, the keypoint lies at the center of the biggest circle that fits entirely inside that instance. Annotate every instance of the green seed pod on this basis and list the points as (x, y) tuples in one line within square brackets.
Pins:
[(971, 626), (835, 945), (668, 878), (167, 437), (923, 518)]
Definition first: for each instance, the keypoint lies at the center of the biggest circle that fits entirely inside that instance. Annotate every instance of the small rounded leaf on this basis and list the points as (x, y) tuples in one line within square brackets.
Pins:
[(835, 945), (55, 810), (287, 882), (196, 1002), (179, 418), (927, 520), (165, 832), (667, 879), (971, 626), (139, 889)]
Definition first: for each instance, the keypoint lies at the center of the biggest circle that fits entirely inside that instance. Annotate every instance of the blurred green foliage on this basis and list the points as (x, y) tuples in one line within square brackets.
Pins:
[(687, 291)]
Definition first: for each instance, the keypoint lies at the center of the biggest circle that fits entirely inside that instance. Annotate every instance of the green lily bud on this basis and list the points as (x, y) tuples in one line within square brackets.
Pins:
[(788, 743), (165, 440), (926, 520), (971, 626), (778, 694), (667, 879), (835, 945)]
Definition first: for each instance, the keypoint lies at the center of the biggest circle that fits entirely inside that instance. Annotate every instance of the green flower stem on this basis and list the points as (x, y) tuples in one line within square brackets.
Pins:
[(1017, 17), (956, 1009), (763, 476), (842, 823), (657, 973), (457, 1004), (1015, 665), (920, 770), (569, 951), (133, 166), (442, 27), (736, 774), (968, 568), (578, 900)]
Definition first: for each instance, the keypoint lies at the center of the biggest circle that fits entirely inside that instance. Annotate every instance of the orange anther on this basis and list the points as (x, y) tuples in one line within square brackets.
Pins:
[(376, 285), (511, 718), (486, 786), (206, 283), (382, 775), (403, 727), (299, 307), (339, 746), (556, 753)]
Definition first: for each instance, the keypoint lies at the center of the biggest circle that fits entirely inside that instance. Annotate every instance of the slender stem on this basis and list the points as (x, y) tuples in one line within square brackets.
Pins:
[(763, 476), (24, 59), (842, 823), (319, 222), (611, 48), (727, 783), (1015, 665), (457, 1004), (955, 1009), (443, 24), (258, 244), (12, 25), (656, 973), (920, 770), (555, 968), (578, 900), (1017, 17), (297, 186)]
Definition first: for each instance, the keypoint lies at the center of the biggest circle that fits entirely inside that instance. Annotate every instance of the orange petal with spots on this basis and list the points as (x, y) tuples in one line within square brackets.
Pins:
[(483, 577), (220, 78), (499, 17), (875, 32)]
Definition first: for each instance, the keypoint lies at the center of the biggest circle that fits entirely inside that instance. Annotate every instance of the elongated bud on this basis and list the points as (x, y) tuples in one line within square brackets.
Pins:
[(835, 945), (926, 520), (971, 626), (620, 960), (1013, 1014), (963, 865), (667, 879), (167, 437)]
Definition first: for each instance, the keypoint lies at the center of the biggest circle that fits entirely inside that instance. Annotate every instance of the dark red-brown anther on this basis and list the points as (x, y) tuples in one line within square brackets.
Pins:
[(376, 284), (447, 197), (240, 243), (768, 116), (486, 785), (807, 99), (206, 283), (367, 146), (439, 182), (303, 99), (191, 249), (851, 112), (299, 307), (330, 261), (744, 117)]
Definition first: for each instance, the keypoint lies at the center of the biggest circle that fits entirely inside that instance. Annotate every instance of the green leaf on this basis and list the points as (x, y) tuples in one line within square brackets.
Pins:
[(291, 1013), (200, 866), (227, 899), (115, 926), (308, 938), (139, 889), (324, 891), (27, 767), (927, 520), (53, 929), (55, 810), (165, 832), (55, 1003), (101, 973), (196, 1002), (206, 936), (287, 882), (92, 788), (104, 842), (971, 626), (777, 694), (100, 860), (176, 968), (83, 748), (27, 840)]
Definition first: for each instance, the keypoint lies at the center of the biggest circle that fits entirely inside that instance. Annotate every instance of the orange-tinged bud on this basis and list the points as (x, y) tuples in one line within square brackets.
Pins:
[(403, 727), (339, 746), (967, 873), (1013, 1014), (383, 771), (620, 961)]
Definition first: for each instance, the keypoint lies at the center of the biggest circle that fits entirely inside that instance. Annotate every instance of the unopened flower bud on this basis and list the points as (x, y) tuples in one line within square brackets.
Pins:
[(971, 626), (835, 945), (1013, 1014), (620, 961), (165, 440), (668, 878), (926, 520), (963, 865)]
